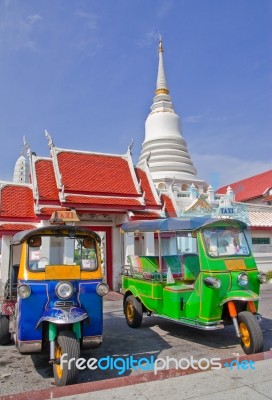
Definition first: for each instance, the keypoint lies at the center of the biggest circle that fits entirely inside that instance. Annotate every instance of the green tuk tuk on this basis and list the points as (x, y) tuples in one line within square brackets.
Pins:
[(199, 272)]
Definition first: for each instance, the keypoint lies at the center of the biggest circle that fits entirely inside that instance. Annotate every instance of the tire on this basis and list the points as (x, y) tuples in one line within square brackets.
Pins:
[(4, 330), (133, 312), (66, 343), (251, 333)]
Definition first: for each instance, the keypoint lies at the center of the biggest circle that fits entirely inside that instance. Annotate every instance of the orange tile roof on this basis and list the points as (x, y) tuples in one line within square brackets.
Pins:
[(145, 187), (17, 202), (169, 207), (96, 174), (267, 198), (46, 181), (13, 228), (250, 188), (144, 215), (125, 202)]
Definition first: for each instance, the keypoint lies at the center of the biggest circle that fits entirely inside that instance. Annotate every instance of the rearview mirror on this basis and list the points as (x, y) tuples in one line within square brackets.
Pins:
[(88, 243), (35, 241)]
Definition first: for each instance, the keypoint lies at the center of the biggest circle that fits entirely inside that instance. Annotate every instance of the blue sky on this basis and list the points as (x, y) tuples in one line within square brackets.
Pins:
[(86, 71)]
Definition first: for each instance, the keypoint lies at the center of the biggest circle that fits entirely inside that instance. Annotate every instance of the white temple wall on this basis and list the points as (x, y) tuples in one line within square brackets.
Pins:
[(116, 259)]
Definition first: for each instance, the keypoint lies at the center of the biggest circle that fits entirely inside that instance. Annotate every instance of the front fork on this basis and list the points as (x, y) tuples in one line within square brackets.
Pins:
[(233, 314), (53, 334)]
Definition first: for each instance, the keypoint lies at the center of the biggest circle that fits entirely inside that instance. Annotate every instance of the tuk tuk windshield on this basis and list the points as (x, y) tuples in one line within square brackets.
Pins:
[(225, 241), (59, 250)]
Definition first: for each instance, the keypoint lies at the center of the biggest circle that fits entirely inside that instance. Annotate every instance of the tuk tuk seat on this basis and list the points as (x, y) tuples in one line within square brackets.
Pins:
[(147, 266), (191, 267)]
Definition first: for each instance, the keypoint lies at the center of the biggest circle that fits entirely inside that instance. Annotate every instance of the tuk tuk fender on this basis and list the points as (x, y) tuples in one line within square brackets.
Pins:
[(247, 296), (61, 316), (242, 295), (130, 290)]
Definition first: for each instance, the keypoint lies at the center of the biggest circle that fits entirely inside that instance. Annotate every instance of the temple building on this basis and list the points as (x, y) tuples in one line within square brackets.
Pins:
[(106, 190)]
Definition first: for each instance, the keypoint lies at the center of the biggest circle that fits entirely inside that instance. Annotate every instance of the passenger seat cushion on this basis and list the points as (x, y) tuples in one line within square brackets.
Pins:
[(191, 267), (175, 264), (149, 263), (135, 263)]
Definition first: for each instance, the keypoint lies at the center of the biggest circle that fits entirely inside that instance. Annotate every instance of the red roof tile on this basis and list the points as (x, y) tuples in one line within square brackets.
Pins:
[(13, 228), (250, 188), (169, 207), (145, 187), (267, 198), (17, 202), (46, 181), (96, 174), (144, 215), (104, 201)]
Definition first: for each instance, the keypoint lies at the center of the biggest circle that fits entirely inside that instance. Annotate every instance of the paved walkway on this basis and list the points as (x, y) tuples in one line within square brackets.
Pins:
[(251, 380)]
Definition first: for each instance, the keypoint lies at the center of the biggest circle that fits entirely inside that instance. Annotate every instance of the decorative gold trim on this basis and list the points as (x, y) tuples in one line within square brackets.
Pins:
[(162, 91)]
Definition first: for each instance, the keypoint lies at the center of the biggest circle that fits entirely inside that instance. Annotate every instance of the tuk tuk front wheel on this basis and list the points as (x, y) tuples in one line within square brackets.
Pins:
[(133, 312), (66, 373), (4, 330), (251, 333)]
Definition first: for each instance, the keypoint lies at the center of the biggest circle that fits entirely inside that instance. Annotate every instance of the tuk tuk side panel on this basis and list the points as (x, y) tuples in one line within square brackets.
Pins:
[(175, 302), (92, 303), (149, 293), (30, 310), (210, 309)]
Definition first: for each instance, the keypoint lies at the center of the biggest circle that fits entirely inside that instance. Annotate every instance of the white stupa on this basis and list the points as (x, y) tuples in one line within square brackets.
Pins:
[(164, 147)]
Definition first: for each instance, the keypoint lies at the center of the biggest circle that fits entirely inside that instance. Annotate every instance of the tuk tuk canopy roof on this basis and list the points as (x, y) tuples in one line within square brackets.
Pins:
[(58, 230), (175, 224)]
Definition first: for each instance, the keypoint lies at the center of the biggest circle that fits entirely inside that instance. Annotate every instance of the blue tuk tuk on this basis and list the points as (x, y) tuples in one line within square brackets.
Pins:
[(54, 295)]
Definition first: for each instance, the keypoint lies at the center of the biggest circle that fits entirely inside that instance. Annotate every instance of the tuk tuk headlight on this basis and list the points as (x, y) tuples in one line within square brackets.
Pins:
[(242, 279), (24, 291), (212, 282), (102, 289), (64, 290), (262, 277)]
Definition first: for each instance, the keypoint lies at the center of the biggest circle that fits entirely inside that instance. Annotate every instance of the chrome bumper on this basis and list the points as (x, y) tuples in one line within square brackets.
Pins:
[(91, 342), (31, 346)]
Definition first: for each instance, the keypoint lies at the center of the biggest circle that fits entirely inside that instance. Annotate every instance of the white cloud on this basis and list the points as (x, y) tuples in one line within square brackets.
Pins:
[(219, 170), (197, 118), (164, 7), (193, 119), (34, 18), (150, 38), (16, 30), (90, 18)]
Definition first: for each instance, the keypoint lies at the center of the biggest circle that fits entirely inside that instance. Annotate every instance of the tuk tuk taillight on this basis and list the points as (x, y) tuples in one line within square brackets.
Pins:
[(24, 291), (212, 282)]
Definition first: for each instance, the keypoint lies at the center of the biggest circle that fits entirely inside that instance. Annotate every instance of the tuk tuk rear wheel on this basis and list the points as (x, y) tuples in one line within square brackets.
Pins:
[(251, 333), (4, 330), (133, 312), (66, 344)]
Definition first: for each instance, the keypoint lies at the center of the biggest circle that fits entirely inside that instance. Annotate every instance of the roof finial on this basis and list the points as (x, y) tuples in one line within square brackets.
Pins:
[(130, 146), (49, 138), (160, 49), (161, 87)]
